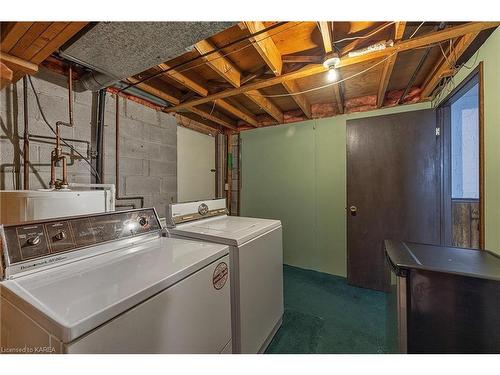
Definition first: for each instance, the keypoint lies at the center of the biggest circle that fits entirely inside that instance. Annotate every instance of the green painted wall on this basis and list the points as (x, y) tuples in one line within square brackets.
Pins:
[(297, 173)]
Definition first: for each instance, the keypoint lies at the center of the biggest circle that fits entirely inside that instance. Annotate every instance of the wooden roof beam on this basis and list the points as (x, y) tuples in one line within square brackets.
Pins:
[(313, 69), (18, 65), (399, 29), (231, 73), (171, 98), (443, 69), (196, 84), (266, 105), (241, 113), (338, 89), (272, 56), (191, 81), (218, 119), (218, 62), (264, 44), (5, 75), (324, 28), (352, 45)]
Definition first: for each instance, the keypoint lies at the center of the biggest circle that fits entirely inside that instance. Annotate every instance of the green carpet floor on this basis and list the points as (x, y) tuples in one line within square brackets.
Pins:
[(323, 314)]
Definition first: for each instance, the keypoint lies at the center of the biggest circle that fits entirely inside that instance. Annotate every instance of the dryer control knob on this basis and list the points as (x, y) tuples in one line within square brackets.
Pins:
[(33, 241), (60, 236), (143, 221)]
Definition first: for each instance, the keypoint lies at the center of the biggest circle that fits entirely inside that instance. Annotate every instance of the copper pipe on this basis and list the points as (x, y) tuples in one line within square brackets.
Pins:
[(64, 171), (52, 182), (26, 143)]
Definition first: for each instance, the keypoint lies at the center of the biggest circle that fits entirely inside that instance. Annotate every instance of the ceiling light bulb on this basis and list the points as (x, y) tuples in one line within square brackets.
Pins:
[(332, 74)]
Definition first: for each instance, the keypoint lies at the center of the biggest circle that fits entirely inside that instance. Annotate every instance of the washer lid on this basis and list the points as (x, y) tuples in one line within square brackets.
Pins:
[(73, 299), (229, 230)]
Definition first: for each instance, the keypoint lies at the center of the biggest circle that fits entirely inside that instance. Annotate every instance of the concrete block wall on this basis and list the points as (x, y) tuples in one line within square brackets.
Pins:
[(148, 143)]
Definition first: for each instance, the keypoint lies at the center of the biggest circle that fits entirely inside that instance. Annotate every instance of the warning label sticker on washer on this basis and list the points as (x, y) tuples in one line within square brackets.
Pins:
[(220, 275)]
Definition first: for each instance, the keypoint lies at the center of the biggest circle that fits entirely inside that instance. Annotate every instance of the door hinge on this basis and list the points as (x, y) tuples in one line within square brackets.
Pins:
[(438, 132)]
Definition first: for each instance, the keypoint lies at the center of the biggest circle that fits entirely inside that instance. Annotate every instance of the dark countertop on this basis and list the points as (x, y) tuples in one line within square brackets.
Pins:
[(454, 260)]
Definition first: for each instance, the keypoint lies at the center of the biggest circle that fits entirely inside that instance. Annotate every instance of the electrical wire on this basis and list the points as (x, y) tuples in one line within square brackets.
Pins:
[(365, 36), (175, 67), (416, 30), (40, 109), (212, 110), (329, 84)]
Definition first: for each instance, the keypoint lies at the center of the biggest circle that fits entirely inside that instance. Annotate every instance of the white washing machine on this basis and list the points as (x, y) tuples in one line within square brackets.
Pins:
[(111, 283), (256, 257)]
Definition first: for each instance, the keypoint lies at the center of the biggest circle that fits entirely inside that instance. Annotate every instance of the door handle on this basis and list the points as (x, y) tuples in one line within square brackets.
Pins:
[(353, 210)]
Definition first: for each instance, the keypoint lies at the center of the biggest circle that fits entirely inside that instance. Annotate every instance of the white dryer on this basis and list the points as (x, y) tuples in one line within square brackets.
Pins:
[(256, 257), (111, 283)]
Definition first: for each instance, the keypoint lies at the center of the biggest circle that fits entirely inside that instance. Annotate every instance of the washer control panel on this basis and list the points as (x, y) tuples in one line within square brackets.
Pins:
[(31, 241)]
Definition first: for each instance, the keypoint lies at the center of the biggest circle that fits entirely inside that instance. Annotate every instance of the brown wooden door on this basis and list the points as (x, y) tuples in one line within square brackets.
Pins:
[(393, 184)]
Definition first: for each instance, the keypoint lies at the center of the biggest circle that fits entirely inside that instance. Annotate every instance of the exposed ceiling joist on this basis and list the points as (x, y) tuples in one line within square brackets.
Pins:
[(338, 90), (241, 113), (5, 75), (196, 84), (160, 93), (18, 65), (218, 62), (265, 46), (354, 44), (399, 29), (313, 69), (265, 104), (444, 68), (272, 56), (227, 70), (324, 28), (219, 119), (191, 81), (292, 59)]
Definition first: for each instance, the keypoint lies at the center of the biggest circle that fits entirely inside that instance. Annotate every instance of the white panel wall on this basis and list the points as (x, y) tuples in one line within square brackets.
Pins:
[(195, 160)]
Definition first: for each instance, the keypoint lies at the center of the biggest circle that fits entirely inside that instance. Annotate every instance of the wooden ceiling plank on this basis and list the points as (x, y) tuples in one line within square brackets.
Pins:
[(5, 75), (18, 65), (29, 37), (265, 104), (50, 32), (264, 44), (12, 33), (399, 29), (457, 50), (68, 32), (218, 62), (271, 55), (324, 28), (313, 69)]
